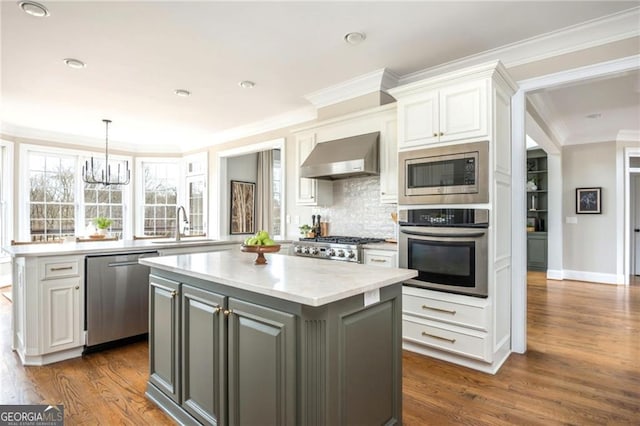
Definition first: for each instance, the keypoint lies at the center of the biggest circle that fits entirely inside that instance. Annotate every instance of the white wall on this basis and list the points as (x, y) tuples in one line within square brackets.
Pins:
[(590, 244), (243, 168)]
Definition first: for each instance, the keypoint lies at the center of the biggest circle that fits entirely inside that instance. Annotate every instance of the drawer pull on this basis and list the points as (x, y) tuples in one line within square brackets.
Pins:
[(379, 260), (62, 268), (173, 293), (227, 312), (438, 337), (446, 311)]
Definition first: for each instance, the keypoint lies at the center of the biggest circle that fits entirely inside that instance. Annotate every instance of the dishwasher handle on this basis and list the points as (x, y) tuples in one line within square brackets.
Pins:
[(128, 263)]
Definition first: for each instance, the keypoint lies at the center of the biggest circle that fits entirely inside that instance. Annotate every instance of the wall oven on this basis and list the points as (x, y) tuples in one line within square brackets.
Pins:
[(454, 174), (448, 248)]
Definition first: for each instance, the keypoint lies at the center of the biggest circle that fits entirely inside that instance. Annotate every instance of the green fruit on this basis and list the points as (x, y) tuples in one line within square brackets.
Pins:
[(246, 241), (262, 235), (253, 241), (269, 242)]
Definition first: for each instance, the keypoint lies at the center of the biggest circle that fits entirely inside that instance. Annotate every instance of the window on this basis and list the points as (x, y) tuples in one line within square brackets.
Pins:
[(160, 181), (52, 196), (58, 202), (276, 225), (196, 193)]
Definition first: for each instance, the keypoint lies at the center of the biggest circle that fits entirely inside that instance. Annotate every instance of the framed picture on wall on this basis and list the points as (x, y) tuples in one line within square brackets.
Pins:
[(243, 207), (588, 200)]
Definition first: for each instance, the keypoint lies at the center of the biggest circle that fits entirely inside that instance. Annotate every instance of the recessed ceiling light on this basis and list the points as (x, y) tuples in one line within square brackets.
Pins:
[(355, 38), (182, 92), (246, 84), (74, 63), (594, 115), (34, 9)]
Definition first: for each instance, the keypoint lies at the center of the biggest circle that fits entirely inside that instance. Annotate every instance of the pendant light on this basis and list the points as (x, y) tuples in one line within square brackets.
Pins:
[(89, 172)]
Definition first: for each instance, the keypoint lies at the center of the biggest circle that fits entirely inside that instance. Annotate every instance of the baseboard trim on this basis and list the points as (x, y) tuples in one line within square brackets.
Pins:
[(596, 277)]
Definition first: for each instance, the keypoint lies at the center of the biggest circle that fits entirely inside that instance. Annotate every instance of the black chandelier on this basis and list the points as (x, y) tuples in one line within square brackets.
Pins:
[(89, 172)]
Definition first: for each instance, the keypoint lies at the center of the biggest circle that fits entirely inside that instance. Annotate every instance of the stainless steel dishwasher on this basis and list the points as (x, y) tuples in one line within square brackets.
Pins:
[(116, 298)]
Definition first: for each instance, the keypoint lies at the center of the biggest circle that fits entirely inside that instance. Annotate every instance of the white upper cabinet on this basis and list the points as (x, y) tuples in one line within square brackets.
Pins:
[(449, 113), (389, 159), (310, 192)]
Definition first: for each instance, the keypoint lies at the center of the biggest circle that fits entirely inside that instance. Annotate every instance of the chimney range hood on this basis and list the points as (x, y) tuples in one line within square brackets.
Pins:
[(343, 158)]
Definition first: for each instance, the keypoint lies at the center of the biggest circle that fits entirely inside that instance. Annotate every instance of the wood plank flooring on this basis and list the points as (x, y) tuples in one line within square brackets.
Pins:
[(582, 367)]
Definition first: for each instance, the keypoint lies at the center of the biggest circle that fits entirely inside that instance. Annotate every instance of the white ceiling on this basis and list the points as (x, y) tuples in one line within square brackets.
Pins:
[(138, 53)]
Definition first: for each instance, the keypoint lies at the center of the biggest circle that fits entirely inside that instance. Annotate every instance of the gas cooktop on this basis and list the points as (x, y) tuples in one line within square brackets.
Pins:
[(344, 240), (348, 249)]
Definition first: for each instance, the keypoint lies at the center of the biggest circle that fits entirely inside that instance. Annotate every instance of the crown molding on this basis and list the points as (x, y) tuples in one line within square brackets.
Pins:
[(597, 32), (32, 135), (628, 136), (281, 121), (375, 81)]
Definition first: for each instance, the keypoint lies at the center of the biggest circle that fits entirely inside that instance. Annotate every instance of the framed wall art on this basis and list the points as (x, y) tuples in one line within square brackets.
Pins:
[(588, 200), (243, 207)]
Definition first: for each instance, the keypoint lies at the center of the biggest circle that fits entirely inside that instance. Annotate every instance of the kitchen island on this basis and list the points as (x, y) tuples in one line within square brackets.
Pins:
[(48, 291), (295, 341)]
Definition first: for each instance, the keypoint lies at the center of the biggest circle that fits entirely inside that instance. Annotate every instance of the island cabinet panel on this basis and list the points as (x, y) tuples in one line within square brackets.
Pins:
[(164, 316), (262, 365), (203, 355)]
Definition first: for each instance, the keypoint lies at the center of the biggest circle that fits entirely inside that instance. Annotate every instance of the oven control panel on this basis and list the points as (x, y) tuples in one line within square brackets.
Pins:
[(343, 252)]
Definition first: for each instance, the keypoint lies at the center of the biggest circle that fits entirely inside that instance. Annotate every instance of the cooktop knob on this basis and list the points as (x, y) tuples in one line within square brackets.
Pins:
[(306, 250), (314, 251), (340, 253), (331, 252), (351, 254), (297, 249)]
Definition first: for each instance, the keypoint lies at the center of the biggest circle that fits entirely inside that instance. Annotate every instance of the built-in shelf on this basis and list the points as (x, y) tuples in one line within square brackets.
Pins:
[(537, 210)]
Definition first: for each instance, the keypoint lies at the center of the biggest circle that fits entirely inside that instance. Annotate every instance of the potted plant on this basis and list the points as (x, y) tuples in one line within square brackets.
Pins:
[(307, 231), (102, 224)]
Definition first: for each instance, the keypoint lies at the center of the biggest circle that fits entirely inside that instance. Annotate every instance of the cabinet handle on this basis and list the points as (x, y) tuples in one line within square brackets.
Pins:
[(435, 135), (446, 311), (438, 337), (379, 260), (174, 293), (227, 312), (217, 310), (312, 197), (62, 268), (382, 193), (441, 133), (77, 287)]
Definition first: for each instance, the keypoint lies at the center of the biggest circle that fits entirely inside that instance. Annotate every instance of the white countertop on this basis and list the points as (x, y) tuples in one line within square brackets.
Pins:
[(381, 246), (95, 247), (313, 282)]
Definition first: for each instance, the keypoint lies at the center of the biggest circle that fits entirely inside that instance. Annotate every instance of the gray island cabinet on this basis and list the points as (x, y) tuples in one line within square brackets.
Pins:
[(295, 342)]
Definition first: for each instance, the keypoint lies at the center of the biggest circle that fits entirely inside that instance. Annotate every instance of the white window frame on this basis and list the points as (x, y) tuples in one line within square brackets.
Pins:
[(79, 219), (202, 157), (139, 179), (6, 194)]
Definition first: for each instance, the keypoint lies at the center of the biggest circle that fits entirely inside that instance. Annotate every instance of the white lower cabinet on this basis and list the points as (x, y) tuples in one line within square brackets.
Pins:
[(450, 324), (384, 258), (61, 314)]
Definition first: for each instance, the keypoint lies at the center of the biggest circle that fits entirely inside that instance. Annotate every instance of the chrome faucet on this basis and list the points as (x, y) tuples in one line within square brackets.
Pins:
[(184, 214)]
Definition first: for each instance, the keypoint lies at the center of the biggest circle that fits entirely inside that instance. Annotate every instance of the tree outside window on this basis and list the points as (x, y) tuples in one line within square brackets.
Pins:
[(160, 181)]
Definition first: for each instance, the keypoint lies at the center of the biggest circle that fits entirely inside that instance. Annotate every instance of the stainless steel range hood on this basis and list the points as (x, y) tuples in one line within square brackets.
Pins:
[(342, 158)]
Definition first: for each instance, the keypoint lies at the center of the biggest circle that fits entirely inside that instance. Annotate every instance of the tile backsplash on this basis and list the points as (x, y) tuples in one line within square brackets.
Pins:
[(356, 209)]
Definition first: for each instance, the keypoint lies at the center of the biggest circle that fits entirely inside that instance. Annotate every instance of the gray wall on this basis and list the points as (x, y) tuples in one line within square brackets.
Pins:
[(590, 244), (244, 168)]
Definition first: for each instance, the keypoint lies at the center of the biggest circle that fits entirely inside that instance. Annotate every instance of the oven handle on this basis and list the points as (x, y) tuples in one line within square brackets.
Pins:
[(435, 234)]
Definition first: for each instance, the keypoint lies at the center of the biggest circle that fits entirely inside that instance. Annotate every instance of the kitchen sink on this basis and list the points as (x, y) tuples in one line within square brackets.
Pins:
[(184, 241)]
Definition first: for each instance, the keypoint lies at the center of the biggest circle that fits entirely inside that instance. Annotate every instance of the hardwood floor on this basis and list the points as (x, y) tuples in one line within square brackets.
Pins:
[(582, 368)]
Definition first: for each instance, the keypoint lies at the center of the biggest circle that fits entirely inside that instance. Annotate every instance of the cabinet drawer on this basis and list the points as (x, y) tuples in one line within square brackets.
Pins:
[(52, 269), (382, 258), (463, 315), (469, 343)]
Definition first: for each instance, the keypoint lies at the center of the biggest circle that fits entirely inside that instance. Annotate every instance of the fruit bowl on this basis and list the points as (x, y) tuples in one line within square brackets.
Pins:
[(261, 250)]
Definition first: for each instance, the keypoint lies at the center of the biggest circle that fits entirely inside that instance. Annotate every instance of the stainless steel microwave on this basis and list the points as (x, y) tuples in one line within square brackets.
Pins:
[(454, 174)]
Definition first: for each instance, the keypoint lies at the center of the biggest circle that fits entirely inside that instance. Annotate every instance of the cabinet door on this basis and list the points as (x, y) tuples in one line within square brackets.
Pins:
[(463, 111), (203, 355), (537, 251), (418, 118), (389, 162), (61, 317), (306, 188), (262, 365), (164, 326)]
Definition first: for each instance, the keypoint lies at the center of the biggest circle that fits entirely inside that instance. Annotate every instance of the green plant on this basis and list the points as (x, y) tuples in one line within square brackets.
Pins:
[(102, 222), (304, 229)]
